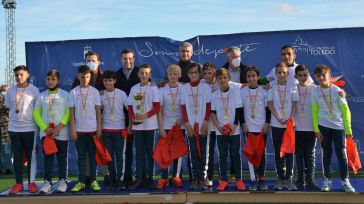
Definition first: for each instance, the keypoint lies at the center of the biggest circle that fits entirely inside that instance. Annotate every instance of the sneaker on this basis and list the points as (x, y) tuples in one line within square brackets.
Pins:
[(46, 187), (300, 184), (161, 184), (202, 184), (194, 184), (290, 185), (253, 186), (95, 186), (16, 189), (121, 185), (310, 184), (78, 187), (112, 184), (222, 185), (240, 185), (209, 182), (62, 187), (279, 185), (326, 186), (32, 187), (347, 186), (177, 181), (262, 186)]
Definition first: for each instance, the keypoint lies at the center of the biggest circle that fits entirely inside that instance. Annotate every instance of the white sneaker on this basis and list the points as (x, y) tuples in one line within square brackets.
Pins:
[(347, 186), (46, 187), (326, 186), (62, 187), (209, 182)]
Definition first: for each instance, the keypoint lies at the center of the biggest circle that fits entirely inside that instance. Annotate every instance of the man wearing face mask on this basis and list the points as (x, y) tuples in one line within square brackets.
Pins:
[(93, 61), (236, 69), (127, 77)]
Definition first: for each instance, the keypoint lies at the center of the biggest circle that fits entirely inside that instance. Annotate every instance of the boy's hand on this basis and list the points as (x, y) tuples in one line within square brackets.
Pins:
[(74, 135), (102, 92), (265, 128), (189, 129), (221, 130), (349, 135), (49, 131), (179, 122), (319, 136), (98, 133), (233, 128), (245, 128), (282, 121), (243, 85), (204, 128), (342, 93), (129, 129), (141, 116), (57, 130), (162, 133), (267, 86)]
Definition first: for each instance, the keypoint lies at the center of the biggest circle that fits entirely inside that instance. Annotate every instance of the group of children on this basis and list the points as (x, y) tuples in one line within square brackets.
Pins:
[(213, 109)]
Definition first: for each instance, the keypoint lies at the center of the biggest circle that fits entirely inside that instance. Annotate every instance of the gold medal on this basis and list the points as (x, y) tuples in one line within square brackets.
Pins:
[(283, 113), (173, 98), (173, 109), (303, 115), (331, 116), (252, 116), (195, 101), (253, 103), (17, 111), (113, 117), (226, 117)]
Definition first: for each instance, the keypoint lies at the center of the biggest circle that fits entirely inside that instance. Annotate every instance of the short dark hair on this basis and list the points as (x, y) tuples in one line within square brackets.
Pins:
[(21, 67), (194, 65), (145, 66), (321, 69), (209, 65), (90, 53), (84, 69), (126, 51), (253, 68), (300, 67), (109, 74), (221, 72), (53, 73), (286, 46)]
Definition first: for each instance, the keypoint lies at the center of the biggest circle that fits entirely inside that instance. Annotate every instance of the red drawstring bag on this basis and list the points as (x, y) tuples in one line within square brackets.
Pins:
[(177, 144), (197, 139), (339, 83), (161, 154), (254, 148), (353, 156), (49, 145), (226, 129), (124, 133), (288, 140), (24, 157), (102, 155)]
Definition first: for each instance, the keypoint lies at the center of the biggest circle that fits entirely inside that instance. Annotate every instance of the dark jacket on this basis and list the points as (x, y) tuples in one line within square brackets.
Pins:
[(242, 68), (125, 84), (96, 81)]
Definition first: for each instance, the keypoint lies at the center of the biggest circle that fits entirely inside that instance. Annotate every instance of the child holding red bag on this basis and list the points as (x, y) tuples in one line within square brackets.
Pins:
[(196, 107), (255, 119), (51, 113), (226, 108)]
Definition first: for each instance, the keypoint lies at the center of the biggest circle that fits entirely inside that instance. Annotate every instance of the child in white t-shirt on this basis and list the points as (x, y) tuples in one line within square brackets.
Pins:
[(169, 116), (331, 124), (226, 109), (282, 102), (52, 114), (85, 122), (196, 106), (255, 119), (20, 100), (143, 107), (113, 102)]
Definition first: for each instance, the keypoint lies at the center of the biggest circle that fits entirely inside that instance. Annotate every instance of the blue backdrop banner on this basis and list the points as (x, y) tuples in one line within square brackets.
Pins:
[(341, 49)]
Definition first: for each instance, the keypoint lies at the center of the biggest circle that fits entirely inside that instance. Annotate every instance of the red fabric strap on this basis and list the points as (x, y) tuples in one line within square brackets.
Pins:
[(131, 112), (208, 111), (86, 133), (184, 113)]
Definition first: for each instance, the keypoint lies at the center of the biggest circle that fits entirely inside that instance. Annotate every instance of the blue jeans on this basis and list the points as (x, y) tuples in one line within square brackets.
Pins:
[(144, 145), (116, 146), (85, 146), (229, 144)]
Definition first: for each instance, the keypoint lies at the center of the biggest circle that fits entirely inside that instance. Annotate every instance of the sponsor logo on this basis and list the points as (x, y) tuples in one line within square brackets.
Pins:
[(86, 49), (299, 45)]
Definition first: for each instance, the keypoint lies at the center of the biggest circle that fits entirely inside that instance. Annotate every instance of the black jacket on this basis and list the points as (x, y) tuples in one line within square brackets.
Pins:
[(96, 81), (242, 68), (125, 84)]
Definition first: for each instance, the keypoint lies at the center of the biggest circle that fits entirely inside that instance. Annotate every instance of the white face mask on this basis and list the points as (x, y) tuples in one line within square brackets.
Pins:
[(92, 65), (236, 62)]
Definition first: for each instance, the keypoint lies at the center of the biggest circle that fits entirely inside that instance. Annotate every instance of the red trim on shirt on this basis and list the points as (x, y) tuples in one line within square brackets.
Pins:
[(208, 111), (184, 113), (195, 83), (131, 112), (155, 110)]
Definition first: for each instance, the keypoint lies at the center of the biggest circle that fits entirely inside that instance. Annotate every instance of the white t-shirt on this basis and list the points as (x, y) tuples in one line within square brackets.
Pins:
[(116, 102), (203, 94), (219, 104), (273, 95), (291, 72), (85, 120), (151, 95), (57, 111), (324, 114), (257, 123), (22, 121), (165, 97), (304, 123)]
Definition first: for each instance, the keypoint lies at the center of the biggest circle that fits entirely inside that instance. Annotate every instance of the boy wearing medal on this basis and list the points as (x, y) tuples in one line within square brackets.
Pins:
[(282, 102), (332, 124), (305, 140), (255, 119), (113, 102), (20, 100), (226, 108), (143, 107), (169, 116), (85, 122), (51, 113), (196, 106)]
